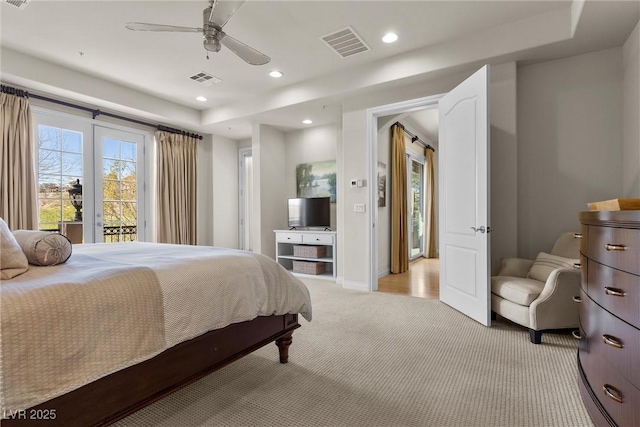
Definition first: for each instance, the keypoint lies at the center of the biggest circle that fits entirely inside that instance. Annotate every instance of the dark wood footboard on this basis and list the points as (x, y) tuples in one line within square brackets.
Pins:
[(115, 396)]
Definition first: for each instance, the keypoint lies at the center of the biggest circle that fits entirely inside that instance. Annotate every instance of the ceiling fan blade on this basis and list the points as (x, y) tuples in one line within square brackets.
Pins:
[(248, 54), (141, 26), (224, 10)]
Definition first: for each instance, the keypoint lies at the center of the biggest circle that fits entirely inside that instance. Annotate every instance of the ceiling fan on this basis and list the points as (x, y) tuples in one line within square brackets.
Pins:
[(214, 18)]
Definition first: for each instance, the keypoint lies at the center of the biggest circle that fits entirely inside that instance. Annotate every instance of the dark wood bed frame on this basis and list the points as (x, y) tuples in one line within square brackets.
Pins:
[(115, 396)]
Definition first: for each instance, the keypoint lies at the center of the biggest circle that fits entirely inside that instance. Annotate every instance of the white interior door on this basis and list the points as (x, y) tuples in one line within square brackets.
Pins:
[(464, 207), (119, 185)]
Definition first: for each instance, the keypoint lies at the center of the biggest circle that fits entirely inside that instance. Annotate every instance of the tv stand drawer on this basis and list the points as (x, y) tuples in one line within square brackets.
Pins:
[(317, 239), (289, 237)]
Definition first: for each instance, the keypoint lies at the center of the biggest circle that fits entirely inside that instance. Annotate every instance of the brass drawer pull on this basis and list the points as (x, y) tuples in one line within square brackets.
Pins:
[(614, 292), (577, 235), (577, 299), (612, 341), (576, 334), (611, 247), (612, 393)]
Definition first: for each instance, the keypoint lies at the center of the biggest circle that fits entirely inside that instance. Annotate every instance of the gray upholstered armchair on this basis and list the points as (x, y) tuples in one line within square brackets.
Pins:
[(539, 294)]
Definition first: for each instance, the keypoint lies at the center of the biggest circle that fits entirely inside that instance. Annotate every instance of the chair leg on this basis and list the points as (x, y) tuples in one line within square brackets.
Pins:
[(493, 315), (535, 336)]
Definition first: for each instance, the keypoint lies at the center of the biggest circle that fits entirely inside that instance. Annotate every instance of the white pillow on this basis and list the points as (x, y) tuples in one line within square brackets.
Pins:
[(43, 247), (13, 261), (546, 263)]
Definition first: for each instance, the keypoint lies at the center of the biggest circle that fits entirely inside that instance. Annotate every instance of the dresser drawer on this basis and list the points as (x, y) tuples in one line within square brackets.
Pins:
[(616, 247), (601, 375), (612, 339), (289, 237), (615, 290), (317, 239)]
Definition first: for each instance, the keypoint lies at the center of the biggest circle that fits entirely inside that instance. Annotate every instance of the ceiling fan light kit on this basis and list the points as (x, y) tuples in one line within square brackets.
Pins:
[(214, 18)]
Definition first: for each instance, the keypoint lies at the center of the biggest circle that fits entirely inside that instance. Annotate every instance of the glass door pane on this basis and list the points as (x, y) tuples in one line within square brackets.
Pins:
[(119, 184), (63, 150), (416, 207)]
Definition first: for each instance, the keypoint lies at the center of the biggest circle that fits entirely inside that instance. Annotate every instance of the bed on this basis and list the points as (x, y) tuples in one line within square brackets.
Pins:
[(121, 325)]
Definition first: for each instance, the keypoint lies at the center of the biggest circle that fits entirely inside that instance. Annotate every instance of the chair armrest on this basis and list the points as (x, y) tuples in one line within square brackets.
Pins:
[(555, 308), (515, 267)]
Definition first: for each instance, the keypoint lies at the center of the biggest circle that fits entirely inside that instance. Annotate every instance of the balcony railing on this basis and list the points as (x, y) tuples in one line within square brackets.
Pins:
[(112, 233), (120, 233)]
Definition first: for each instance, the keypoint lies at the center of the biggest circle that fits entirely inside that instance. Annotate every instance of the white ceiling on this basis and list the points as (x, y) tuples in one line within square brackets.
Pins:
[(51, 34)]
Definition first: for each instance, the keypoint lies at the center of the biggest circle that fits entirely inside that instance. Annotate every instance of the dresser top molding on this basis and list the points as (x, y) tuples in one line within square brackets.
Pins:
[(619, 219)]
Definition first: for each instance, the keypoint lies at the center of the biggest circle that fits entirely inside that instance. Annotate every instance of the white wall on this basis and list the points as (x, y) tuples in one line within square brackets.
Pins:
[(354, 246), (569, 143), (504, 164), (225, 192), (270, 194), (631, 117), (205, 192), (315, 144)]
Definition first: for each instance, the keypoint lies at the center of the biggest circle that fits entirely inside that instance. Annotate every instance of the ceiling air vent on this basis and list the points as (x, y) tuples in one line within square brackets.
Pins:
[(205, 79), (16, 3), (345, 42)]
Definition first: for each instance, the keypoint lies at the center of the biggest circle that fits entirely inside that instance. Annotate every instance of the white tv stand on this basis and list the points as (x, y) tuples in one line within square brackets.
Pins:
[(287, 239)]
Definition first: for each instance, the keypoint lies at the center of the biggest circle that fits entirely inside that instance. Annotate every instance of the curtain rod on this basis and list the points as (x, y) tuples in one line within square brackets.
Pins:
[(94, 111), (415, 138)]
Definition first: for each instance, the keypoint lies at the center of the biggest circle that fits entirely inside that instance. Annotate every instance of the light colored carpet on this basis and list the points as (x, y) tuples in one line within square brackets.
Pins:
[(374, 359)]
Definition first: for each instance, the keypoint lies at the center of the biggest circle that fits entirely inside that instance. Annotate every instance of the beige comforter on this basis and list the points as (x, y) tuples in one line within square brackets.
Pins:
[(114, 305)]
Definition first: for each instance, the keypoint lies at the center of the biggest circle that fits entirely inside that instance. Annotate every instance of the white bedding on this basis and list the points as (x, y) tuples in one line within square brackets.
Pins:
[(200, 289), (206, 288)]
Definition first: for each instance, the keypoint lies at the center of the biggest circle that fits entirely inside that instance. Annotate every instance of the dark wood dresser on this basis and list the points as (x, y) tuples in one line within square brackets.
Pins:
[(609, 349)]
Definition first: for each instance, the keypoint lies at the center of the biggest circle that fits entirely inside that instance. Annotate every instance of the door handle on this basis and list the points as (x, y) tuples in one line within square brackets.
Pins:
[(481, 229)]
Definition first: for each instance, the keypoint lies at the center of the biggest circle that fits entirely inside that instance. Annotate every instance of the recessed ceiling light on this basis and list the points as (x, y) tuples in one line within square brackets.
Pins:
[(390, 37), (201, 98), (307, 121), (276, 74)]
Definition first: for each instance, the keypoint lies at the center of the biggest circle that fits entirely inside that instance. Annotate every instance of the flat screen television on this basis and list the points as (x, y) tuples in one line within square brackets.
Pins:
[(309, 212)]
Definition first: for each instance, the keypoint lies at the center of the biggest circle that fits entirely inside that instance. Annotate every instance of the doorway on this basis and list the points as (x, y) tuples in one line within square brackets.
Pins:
[(464, 214), (245, 178), (421, 131)]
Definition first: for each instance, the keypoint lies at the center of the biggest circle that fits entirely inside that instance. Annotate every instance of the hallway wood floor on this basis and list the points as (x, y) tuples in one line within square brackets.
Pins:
[(422, 280)]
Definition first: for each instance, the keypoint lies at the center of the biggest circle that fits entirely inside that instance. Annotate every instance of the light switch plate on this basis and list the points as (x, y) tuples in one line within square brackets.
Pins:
[(359, 207)]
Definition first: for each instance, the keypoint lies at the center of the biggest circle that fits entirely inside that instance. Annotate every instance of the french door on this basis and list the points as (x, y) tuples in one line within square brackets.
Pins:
[(64, 147), (108, 163), (118, 185), (415, 201)]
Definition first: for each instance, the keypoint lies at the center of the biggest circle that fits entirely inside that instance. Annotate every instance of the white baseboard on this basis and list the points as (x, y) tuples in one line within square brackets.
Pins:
[(339, 280), (384, 272), (358, 286)]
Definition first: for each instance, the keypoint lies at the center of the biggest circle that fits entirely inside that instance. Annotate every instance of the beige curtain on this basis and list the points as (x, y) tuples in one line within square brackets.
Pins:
[(399, 221), (18, 206), (430, 235), (176, 188)]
